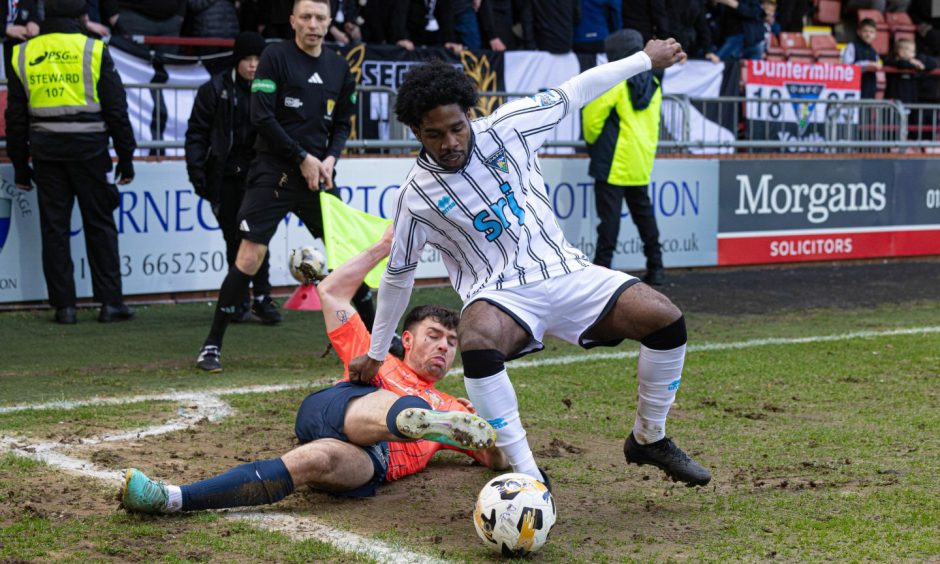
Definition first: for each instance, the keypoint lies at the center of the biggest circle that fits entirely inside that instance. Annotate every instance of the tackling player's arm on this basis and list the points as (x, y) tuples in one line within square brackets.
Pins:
[(337, 290), (394, 292)]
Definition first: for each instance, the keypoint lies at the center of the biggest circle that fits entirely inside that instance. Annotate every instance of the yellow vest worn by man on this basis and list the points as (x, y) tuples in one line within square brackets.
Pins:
[(621, 140), (60, 72)]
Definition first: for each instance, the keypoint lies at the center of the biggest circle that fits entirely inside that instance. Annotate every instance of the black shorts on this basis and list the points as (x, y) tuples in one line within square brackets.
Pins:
[(273, 189), (321, 416)]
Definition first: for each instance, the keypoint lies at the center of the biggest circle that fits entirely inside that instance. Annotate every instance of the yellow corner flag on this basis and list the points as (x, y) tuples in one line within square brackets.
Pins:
[(348, 231)]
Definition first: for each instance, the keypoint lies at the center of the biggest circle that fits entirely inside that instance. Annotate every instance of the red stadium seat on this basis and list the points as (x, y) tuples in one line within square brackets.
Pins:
[(902, 35), (802, 58), (824, 46), (828, 12), (794, 44), (828, 60), (900, 21), (774, 51)]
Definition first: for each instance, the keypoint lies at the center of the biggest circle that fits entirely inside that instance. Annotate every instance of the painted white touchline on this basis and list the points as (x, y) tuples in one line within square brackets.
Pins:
[(205, 405), (616, 355), (168, 396), (307, 528)]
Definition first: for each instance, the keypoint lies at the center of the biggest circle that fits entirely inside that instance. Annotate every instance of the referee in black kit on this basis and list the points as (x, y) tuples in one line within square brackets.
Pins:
[(302, 98)]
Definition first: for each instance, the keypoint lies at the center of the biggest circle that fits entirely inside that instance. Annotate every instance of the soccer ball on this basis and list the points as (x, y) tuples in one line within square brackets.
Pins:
[(306, 265), (514, 514)]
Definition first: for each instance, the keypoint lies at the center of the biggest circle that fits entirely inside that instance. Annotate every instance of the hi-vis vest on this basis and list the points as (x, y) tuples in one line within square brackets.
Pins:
[(623, 140), (60, 72)]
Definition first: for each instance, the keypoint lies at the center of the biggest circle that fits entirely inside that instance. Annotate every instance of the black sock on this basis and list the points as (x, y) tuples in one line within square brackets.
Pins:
[(401, 404), (234, 287)]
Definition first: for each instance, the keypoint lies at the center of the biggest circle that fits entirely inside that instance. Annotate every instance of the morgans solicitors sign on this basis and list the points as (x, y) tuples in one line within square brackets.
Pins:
[(810, 210)]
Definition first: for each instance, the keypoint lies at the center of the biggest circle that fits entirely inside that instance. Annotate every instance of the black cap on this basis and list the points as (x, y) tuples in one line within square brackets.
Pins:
[(248, 43), (66, 8), (623, 43)]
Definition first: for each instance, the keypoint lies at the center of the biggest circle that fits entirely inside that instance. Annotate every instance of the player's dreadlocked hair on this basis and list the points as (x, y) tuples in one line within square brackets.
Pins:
[(431, 85), (446, 317)]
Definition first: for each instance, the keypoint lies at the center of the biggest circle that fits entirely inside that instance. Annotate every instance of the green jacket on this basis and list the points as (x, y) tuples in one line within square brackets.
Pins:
[(621, 141)]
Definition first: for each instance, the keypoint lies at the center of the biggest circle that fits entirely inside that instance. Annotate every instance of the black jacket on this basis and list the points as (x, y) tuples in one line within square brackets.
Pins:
[(23, 142), (211, 133), (689, 26), (648, 17), (553, 23)]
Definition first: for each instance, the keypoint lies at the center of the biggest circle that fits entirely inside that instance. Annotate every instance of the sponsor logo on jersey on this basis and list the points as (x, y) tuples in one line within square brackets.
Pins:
[(293, 102), (446, 204), (263, 85), (674, 385), (548, 98), (243, 226), (497, 161), (315, 79)]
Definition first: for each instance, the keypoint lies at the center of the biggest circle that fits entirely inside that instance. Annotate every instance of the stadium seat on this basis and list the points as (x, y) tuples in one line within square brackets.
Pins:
[(774, 51), (900, 21), (794, 44), (828, 60), (800, 58), (902, 35), (827, 12), (824, 46)]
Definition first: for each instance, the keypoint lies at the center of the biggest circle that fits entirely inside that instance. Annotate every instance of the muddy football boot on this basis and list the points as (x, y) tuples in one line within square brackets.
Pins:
[(140, 494), (455, 428), (665, 455)]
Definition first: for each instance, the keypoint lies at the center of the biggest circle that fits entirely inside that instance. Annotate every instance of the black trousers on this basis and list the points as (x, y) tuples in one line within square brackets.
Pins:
[(230, 200), (608, 199), (59, 183)]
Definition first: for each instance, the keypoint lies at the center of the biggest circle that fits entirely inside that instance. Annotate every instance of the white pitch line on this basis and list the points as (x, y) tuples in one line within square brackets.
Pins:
[(307, 528), (169, 396), (617, 355)]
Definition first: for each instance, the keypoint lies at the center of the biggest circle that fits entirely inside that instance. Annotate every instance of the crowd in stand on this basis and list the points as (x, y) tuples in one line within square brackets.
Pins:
[(904, 35)]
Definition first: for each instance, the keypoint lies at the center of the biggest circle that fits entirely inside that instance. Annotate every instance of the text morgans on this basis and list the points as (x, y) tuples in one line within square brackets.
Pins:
[(816, 200)]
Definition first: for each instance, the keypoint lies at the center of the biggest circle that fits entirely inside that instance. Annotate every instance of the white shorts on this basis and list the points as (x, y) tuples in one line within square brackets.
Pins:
[(565, 306)]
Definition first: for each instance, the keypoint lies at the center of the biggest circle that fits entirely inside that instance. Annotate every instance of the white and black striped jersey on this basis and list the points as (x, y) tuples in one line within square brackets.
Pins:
[(492, 221)]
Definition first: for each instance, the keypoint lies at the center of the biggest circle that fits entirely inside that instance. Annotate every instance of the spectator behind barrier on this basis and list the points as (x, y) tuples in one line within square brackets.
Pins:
[(21, 23), (902, 86), (742, 29), (430, 23), (599, 18), (377, 21), (649, 17), (690, 28), (860, 52), (212, 18), (553, 24)]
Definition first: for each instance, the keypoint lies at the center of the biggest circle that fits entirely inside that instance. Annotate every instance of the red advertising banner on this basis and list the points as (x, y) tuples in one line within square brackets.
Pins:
[(736, 250)]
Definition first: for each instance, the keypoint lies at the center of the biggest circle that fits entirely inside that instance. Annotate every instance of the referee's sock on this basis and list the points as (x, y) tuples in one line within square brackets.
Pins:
[(492, 394), (256, 483), (234, 287)]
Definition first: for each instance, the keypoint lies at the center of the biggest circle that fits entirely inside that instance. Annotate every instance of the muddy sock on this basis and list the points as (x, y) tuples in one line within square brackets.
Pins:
[(255, 483)]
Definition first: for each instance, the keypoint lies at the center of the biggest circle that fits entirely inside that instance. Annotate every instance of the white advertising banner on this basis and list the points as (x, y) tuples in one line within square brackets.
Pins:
[(170, 241)]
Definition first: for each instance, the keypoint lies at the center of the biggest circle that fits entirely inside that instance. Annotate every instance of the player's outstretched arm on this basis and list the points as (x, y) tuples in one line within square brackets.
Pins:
[(337, 290), (658, 54)]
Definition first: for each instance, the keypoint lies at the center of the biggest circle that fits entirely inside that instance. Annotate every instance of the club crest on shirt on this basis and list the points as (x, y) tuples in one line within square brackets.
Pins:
[(330, 104), (497, 161)]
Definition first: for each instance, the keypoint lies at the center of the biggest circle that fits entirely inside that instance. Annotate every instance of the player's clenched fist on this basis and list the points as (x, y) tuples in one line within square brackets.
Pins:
[(362, 370), (664, 52)]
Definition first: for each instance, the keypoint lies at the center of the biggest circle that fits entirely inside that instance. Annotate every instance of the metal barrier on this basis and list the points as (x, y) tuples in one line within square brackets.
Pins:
[(688, 125)]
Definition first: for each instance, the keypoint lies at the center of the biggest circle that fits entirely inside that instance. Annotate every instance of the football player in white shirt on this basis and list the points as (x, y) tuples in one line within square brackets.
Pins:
[(477, 195)]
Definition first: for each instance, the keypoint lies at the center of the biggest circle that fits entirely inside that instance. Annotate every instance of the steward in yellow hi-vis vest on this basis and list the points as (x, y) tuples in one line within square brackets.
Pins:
[(65, 101), (621, 128)]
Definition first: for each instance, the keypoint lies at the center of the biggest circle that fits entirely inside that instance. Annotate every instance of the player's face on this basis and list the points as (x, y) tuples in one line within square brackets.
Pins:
[(310, 22), (248, 66), (430, 349), (445, 134)]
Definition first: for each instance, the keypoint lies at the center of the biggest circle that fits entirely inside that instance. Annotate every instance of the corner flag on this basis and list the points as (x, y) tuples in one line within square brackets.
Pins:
[(348, 231)]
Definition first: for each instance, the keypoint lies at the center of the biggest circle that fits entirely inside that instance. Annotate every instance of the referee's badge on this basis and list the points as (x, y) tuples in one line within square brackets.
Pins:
[(498, 161), (330, 104)]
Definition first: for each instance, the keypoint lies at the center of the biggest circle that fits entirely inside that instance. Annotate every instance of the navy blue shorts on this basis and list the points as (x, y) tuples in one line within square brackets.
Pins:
[(321, 416)]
